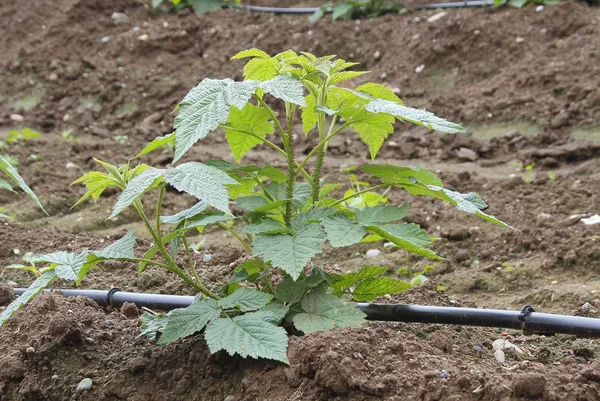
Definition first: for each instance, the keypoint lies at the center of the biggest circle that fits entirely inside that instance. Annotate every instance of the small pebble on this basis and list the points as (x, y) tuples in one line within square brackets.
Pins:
[(420, 69), (54, 377), (520, 40), (499, 355), (90, 340), (143, 38), (444, 374), (16, 251), (136, 29), (84, 385), (377, 55), (373, 253), (70, 165), (383, 76), (30, 350), (478, 349), (231, 398), (539, 9), (17, 117), (165, 24), (105, 39), (119, 18), (206, 257), (437, 17)]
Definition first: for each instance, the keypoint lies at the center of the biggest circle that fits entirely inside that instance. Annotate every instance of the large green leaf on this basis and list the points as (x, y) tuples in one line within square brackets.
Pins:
[(245, 300), (285, 88), (136, 188), (14, 175), (184, 322), (264, 226), (341, 231), (205, 107), (378, 91), (373, 129), (34, 289), (309, 113), (252, 334), (290, 252), (343, 282), (185, 214), (371, 288), (66, 265), (250, 120), (204, 182), (415, 116), (120, 249), (261, 69), (381, 214), (322, 311), (389, 173), (407, 236)]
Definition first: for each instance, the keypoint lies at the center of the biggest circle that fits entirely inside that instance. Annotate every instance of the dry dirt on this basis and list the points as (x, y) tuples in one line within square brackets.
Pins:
[(531, 100)]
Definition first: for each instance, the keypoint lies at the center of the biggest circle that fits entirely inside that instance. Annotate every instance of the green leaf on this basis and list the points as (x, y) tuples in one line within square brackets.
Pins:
[(120, 249), (251, 119), (250, 203), (14, 175), (34, 289), (415, 116), (317, 15), (389, 173), (341, 231), (204, 182), (285, 88), (325, 312), (300, 195), (154, 250), (378, 91), (381, 214), (278, 309), (203, 6), (309, 113), (343, 10), (184, 322), (152, 324), (95, 182), (371, 288), (343, 282), (185, 214), (205, 107), (290, 252), (245, 300), (373, 129), (273, 174), (252, 334), (328, 188), (407, 236), (66, 265), (5, 185), (137, 187), (253, 52), (206, 219), (157, 143), (261, 69), (345, 75), (264, 226)]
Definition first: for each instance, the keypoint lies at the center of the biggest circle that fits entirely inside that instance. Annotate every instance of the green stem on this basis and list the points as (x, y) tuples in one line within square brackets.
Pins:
[(321, 144), (190, 261), (240, 239), (373, 188), (158, 208), (137, 260), (289, 149), (272, 113)]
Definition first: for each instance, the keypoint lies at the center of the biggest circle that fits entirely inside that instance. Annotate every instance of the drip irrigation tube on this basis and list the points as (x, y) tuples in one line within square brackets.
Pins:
[(312, 10), (526, 319)]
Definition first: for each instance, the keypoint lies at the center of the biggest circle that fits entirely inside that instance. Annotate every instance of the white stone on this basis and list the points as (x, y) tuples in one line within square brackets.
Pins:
[(377, 55), (17, 117), (595, 219), (420, 69), (143, 38), (373, 253), (207, 257), (70, 165), (539, 9), (519, 40), (437, 17), (119, 18), (499, 355), (105, 39)]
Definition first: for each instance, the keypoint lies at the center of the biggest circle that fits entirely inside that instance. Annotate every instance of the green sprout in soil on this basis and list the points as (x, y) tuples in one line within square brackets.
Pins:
[(9, 169), (282, 217)]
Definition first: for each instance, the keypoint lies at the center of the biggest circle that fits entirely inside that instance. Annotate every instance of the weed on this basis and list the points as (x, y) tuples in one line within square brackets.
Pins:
[(8, 167), (121, 139), (67, 135), (285, 216)]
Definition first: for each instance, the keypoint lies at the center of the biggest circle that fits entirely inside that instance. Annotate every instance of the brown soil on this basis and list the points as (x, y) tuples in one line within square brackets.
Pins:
[(536, 97)]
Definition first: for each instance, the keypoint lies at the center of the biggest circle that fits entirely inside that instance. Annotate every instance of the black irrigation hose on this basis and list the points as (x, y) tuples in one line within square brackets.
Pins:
[(312, 10), (527, 319)]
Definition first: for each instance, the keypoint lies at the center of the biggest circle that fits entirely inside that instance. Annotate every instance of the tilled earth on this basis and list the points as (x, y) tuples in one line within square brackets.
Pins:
[(525, 83)]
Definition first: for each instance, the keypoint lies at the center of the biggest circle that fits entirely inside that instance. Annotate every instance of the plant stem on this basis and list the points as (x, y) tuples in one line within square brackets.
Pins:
[(240, 239), (322, 143), (373, 188), (158, 208), (289, 149), (190, 261)]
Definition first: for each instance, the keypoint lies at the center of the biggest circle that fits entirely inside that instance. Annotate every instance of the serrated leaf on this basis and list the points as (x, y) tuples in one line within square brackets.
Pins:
[(137, 187), (273, 174), (373, 129), (205, 107), (251, 119), (261, 69), (389, 173), (407, 236), (316, 214), (371, 288), (327, 189), (415, 116), (31, 292), (285, 88), (300, 195), (95, 183), (325, 312), (184, 214), (341, 231), (381, 214), (309, 113), (264, 226), (120, 249), (252, 334), (250, 203), (253, 52), (184, 322), (338, 77), (278, 310), (245, 300), (157, 143), (290, 252), (202, 220), (152, 324), (378, 91), (66, 265), (14, 175), (343, 282), (204, 182)]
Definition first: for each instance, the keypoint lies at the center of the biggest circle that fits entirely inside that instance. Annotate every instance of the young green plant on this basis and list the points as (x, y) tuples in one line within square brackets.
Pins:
[(283, 216)]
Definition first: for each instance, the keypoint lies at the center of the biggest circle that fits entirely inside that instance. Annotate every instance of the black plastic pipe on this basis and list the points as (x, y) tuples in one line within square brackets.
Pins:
[(527, 319), (312, 10)]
